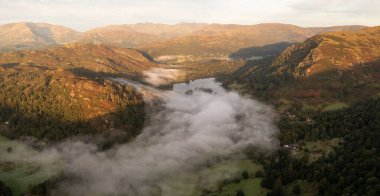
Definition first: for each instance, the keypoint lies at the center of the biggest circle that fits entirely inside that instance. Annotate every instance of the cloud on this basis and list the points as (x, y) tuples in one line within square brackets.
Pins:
[(347, 7), (191, 131), (161, 76), (86, 14), (199, 124)]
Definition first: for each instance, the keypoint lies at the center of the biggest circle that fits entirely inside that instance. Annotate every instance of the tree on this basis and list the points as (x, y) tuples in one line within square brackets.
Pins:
[(296, 189), (240, 193), (245, 174), (277, 188)]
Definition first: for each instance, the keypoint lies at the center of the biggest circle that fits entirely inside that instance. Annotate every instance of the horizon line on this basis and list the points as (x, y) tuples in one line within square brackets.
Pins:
[(179, 23)]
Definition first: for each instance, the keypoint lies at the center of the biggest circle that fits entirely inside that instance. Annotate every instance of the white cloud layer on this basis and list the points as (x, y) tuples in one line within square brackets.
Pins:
[(199, 124), (85, 14)]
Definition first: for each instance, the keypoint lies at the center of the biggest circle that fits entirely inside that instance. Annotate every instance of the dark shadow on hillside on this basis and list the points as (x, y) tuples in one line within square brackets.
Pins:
[(100, 76), (260, 51), (8, 65), (25, 119), (360, 82), (250, 69), (146, 55)]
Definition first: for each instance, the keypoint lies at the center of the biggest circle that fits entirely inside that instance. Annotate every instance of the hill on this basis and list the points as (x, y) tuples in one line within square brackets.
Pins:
[(65, 91), (327, 70), (196, 39), (221, 40), (132, 35), (97, 58), (334, 50), (26, 35)]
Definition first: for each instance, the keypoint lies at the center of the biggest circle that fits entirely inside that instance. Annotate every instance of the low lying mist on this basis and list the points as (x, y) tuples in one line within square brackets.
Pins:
[(161, 76), (199, 123)]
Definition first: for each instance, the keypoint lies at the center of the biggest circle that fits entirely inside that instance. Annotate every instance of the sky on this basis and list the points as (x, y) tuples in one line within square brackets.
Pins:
[(86, 14)]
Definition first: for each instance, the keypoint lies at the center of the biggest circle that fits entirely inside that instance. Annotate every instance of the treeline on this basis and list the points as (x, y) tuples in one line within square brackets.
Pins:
[(32, 105), (352, 168)]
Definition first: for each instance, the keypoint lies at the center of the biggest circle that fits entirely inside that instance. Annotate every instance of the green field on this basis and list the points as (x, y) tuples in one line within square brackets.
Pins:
[(335, 106), (212, 180), (18, 175), (249, 187), (20, 178), (3, 139)]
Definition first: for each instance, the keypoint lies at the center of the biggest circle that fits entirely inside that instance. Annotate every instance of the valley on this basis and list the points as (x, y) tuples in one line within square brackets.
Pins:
[(189, 109)]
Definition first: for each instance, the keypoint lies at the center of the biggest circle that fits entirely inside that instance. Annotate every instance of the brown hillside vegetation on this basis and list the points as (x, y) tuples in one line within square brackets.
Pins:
[(98, 58), (67, 90), (328, 51), (132, 35), (336, 67), (160, 39), (222, 40), (25, 35)]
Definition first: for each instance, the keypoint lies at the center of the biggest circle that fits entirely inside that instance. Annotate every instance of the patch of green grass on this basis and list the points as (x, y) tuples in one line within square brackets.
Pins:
[(249, 187), (18, 175), (307, 189), (20, 178), (335, 106), (317, 149), (211, 178), (240, 88), (308, 108), (3, 139)]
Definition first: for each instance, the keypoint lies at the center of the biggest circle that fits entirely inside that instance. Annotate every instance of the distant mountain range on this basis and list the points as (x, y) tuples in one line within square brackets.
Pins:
[(18, 36), (160, 39)]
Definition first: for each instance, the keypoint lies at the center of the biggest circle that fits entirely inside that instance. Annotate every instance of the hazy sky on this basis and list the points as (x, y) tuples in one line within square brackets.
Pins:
[(85, 14)]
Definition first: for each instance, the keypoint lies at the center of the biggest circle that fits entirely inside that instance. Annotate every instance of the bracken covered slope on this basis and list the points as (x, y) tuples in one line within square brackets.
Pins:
[(99, 58), (329, 51), (222, 40), (195, 39), (337, 67), (25, 35), (66, 91)]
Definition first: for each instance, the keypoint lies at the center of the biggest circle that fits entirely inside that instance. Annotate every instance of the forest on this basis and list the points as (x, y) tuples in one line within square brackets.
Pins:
[(51, 107), (352, 168)]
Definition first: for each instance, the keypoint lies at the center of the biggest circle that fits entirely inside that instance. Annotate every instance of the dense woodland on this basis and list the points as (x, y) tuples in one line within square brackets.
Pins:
[(352, 168), (31, 104)]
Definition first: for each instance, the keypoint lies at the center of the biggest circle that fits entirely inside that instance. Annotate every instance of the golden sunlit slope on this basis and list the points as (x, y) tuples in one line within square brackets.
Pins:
[(160, 39), (336, 67), (65, 91), (134, 34), (25, 35), (98, 58), (222, 40), (334, 50)]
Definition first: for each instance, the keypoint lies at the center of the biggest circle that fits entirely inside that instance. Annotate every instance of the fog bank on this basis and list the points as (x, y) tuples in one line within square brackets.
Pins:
[(199, 123)]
